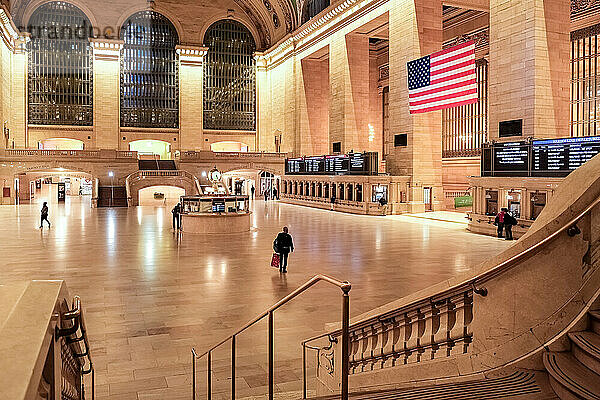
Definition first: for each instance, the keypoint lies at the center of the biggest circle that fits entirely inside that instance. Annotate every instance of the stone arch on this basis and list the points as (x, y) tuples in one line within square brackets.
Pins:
[(220, 17), (35, 4), (159, 10)]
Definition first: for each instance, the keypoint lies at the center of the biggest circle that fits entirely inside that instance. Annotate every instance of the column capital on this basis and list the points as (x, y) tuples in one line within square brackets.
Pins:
[(262, 60), (191, 55), (107, 49)]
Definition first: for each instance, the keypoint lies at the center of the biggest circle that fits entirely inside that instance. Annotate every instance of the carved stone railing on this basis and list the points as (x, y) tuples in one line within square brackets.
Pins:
[(435, 329), (210, 155), (25, 154)]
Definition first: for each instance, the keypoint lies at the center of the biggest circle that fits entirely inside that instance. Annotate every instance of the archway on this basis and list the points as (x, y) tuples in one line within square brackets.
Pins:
[(229, 146), (151, 148), (61, 144), (56, 186), (160, 196)]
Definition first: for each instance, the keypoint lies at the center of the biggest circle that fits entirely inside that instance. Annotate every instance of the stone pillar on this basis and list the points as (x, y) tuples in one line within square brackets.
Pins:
[(529, 66), (313, 107), (18, 97), (415, 31), (107, 92), (264, 139), (349, 91), (191, 98)]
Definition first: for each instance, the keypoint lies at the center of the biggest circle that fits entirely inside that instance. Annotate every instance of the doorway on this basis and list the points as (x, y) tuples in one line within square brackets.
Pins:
[(428, 199)]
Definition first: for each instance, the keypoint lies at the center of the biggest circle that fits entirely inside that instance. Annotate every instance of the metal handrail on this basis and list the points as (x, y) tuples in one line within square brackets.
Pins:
[(76, 315), (344, 286)]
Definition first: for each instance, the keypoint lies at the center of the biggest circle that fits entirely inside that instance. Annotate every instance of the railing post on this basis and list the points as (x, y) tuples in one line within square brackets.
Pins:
[(209, 381), (233, 367), (345, 342), (304, 370), (193, 375), (271, 357)]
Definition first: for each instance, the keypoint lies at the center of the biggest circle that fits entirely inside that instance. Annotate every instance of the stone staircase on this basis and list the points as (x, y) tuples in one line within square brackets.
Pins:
[(575, 374)]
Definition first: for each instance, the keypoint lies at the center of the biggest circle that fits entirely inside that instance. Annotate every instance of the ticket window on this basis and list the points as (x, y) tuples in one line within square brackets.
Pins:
[(350, 192), (342, 193), (514, 203), (313, 192), (326, 191), (491, 202), (320, 190), (379, 192), (359, 195), (538, 202)]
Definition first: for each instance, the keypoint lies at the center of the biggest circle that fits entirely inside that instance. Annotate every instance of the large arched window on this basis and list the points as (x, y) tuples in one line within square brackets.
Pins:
[(312, 8), (149, 72), (229, 77), (60, 66)]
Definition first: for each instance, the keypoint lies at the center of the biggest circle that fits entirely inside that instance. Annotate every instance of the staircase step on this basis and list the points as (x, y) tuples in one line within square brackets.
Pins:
[(520, 385), (587, 349), (570, 379), (595, 321)]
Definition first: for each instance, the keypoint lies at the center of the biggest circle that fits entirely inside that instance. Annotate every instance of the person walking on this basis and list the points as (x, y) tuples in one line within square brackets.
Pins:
[(499, 221), (275, 194), (283, 245), (266, 195), (332, 201), (176, 216), (44, 213), (252, 190)]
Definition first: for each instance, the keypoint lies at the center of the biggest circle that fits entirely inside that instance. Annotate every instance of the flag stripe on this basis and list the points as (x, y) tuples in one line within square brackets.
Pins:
[(454, 48), (465, 55), (472, 84), (451, 67), (450, 94), (462, 78), (468, 72), (444, 106)]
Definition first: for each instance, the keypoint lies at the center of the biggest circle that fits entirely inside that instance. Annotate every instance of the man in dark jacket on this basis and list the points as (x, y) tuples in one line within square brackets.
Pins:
[(284, 245), (176, 213), (44, 214), (509, 221)]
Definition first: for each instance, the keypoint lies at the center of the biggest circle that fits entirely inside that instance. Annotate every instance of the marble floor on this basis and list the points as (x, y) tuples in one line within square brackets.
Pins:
[(150, 294)]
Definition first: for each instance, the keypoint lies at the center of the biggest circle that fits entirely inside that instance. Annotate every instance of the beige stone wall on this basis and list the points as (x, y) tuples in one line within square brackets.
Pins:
[(529, 66), (314, 106), (107, 99), (415, 31), (191, 104)]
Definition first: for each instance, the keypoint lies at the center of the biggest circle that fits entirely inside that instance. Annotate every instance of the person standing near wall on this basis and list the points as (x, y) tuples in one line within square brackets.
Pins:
[(252, 190), (44, 215), (499, 221)]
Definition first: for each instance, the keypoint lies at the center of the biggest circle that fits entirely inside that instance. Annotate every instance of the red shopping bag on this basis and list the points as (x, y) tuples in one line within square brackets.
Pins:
[(275, 260)]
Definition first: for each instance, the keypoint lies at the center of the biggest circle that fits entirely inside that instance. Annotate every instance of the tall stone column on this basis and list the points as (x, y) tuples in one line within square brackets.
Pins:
[(107, 92), (264, 140), (18, 99), (349, 91), (415, 31), (529, 66), (313, 106), (191, 97)]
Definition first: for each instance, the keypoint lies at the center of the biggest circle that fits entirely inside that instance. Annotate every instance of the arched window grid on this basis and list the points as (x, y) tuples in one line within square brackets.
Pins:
[(60, 75), (229, 78), (149, 72), (312, 8)]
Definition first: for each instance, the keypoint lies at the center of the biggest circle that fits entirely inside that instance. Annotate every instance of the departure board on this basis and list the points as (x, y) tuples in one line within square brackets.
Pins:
[(559, 157), (339, 164), (511, 159)]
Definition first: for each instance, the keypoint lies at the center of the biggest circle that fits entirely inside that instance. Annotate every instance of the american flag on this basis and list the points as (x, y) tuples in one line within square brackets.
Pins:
[(442, 80)]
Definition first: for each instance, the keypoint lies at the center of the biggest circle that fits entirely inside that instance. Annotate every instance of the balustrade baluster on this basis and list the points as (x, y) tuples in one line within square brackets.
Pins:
[(431, 326), (446, 321)]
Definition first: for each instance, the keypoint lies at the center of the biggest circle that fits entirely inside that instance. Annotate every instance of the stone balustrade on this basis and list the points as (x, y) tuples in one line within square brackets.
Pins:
[(210, 155), (26, 154), (428, 330)]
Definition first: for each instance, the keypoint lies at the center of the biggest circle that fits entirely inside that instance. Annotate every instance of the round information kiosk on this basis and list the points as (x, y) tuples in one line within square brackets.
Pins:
[(215, 211)]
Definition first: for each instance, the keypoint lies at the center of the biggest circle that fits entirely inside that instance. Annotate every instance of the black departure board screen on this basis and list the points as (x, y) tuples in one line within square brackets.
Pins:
[(559, 157), (339, 164), (511, 159), (295, 166)]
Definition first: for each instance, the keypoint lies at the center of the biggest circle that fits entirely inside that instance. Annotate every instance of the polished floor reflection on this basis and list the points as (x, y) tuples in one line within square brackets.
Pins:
[(150, 294)]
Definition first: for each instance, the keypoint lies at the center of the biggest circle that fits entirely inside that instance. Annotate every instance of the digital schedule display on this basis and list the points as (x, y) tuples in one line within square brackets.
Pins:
[(538, 158), (559, 157), (511, 159), (340, 164)]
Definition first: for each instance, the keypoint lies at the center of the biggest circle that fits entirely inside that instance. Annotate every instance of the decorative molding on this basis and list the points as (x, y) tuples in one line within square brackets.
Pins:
[(260, 24), (107, 49), (191, 55), (480, 37), (273, 13)]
